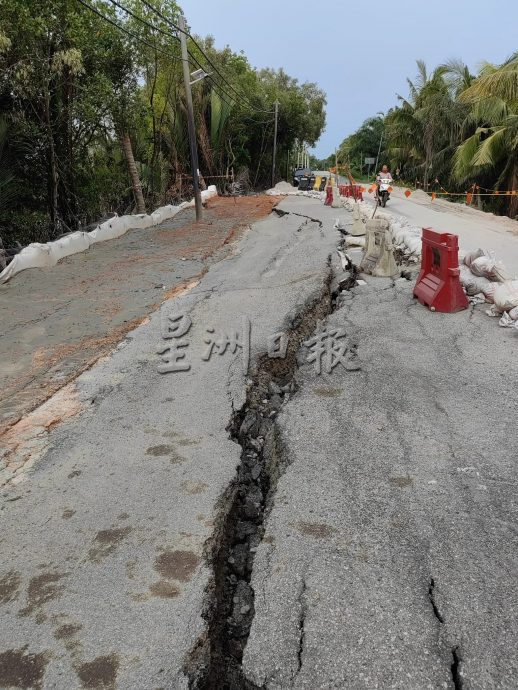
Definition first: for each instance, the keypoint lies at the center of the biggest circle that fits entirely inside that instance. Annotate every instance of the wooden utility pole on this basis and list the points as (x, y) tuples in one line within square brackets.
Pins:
[(190, 120)]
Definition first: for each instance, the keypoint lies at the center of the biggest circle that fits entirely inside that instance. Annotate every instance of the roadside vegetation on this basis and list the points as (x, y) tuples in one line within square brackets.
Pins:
[(455, 131), (93, 114)]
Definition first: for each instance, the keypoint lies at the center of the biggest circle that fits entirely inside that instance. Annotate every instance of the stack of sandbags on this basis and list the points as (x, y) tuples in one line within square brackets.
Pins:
[(482, 275), (407, 238), (38, 255), (506, 303)]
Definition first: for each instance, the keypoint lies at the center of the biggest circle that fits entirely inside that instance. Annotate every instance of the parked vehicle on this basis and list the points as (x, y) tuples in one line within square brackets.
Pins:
[(300, 172)]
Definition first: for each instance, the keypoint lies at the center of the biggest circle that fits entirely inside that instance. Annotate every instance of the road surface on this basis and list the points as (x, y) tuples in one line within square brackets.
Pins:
[(56, 322), (474, 228), (277, 528)]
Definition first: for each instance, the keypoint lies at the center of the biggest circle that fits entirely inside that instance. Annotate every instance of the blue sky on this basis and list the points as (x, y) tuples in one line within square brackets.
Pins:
[(359, 53)]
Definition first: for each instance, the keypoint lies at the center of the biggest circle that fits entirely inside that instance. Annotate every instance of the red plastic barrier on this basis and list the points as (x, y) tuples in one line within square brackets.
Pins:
[(329, 196), (438, 284), (349, 190)]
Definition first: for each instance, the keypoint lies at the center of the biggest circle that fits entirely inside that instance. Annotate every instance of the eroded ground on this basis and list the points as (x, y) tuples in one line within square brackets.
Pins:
[(56, 322)]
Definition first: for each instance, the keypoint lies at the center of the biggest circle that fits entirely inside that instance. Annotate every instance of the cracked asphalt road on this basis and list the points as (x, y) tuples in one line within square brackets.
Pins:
[(56, 322), (103, 572), (390, 555), (388, 558)]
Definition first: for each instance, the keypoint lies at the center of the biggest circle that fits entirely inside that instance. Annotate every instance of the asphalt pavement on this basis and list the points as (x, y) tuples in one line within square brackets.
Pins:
[(102, 547), (388, 558)]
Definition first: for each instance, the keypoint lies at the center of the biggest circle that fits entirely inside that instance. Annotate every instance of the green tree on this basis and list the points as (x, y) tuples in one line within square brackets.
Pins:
[(423, 131), (365, 142), (493, 147)]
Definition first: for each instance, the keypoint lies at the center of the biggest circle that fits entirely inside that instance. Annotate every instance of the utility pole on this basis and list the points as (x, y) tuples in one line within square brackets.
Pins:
[(275, 141), (381, 141), (190, 121), (379, 151)]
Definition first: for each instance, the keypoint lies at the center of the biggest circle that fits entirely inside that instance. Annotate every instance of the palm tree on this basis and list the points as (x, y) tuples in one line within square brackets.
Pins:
[(493, 98), (425, 128)]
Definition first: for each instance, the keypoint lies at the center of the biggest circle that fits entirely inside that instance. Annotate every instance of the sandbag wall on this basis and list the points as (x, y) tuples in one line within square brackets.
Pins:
[(37, 255)]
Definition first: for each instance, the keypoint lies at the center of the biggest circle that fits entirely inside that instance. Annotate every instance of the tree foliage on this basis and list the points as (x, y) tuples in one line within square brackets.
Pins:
[(455, 127), (91, 112)]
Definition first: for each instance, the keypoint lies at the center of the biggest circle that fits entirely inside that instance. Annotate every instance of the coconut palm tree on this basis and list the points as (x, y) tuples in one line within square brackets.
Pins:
[(424, 129), (493, 147)]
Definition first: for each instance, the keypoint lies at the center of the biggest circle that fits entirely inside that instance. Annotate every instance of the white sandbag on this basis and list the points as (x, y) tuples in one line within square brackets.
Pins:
[(506, 321), (493, 311), (339, 225), (489, 289), (208, 193), (414, 245), (514, 314), (110, 229), (158, 216), (70, 244), (479, 298), (469, 257), (398, 234), (506, 295), (141, 221), (36, 255), (488, 267), (473, 284)]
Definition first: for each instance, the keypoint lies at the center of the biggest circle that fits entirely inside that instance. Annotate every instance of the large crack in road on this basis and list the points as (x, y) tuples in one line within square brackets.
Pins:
[(215, 662)]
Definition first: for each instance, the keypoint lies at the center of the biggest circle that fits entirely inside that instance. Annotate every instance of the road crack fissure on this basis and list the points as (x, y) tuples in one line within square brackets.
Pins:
[(215, 663), (281, 213), (456, 665), (431, 596), (302, 629), (456, 673)]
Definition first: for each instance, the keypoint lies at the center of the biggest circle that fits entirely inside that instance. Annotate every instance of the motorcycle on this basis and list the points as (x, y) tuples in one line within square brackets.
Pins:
[(384, 190)]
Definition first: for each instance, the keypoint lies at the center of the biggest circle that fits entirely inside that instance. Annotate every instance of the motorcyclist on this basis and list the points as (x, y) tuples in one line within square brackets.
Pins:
[(383, 174)]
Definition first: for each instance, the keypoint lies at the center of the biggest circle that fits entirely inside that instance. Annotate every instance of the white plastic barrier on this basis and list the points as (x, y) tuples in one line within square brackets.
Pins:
[(38, 255)]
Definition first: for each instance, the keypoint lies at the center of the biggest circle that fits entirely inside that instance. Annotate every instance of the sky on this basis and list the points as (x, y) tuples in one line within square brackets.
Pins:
[(360, 54)]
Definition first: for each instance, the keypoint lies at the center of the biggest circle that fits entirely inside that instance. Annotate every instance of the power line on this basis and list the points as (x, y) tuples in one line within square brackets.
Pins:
[(238, 94), (165, 33), (142, 21), (219, 89), (141, 40), (232, 98), (207, 58), (126, 31)]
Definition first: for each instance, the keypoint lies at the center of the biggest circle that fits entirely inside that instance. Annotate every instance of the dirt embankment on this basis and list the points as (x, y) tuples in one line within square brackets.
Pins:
[(57, 322)]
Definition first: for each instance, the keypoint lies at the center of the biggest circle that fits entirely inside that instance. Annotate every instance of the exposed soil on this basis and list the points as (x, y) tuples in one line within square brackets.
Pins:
[(57, 322)]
